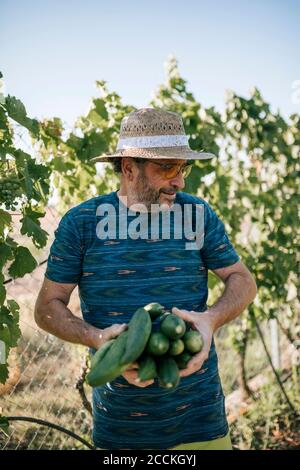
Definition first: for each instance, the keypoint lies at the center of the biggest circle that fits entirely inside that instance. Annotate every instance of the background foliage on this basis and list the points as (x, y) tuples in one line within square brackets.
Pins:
[(252, 186)]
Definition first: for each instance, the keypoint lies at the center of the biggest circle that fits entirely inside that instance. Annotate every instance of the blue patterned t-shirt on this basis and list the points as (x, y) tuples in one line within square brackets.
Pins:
[(120, 274)]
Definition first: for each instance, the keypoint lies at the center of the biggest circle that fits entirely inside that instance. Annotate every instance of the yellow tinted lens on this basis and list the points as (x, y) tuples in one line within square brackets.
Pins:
[(172, 171), (169, 171), (186, 170)]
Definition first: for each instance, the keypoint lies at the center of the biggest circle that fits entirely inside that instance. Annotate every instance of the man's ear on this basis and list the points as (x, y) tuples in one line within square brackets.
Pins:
[(128, 167)]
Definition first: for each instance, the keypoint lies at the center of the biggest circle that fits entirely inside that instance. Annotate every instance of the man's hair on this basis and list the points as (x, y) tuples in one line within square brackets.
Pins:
[(117, 163)]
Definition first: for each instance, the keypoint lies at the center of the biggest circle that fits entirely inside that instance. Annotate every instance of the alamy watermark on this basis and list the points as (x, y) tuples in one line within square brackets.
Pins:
[(185, 225)]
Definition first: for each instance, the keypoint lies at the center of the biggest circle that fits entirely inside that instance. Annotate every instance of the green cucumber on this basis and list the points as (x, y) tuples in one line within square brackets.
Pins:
[(176, 347), (173, 326), (168, 372), (100, 353), (155, 310), (147, 368), (109, 367), (139, 330), (158, 344), (183, 359), (193, 341)]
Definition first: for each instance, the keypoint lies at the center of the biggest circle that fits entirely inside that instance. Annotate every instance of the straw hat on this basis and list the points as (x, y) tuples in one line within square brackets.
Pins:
[(153, 133)]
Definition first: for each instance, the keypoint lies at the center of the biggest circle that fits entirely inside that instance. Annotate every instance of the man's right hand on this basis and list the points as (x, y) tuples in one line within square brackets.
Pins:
[(99, 337), (102, 336), (131, 375)]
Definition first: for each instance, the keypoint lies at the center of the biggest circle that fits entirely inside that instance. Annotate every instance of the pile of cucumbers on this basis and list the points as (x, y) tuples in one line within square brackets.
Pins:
[(161, 343)]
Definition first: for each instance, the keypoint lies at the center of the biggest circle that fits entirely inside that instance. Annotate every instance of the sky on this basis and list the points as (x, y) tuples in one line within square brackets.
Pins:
[(52, 52)]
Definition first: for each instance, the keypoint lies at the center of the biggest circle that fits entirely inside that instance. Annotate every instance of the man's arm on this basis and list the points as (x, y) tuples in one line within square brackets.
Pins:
[(240, 290), (52, 315)]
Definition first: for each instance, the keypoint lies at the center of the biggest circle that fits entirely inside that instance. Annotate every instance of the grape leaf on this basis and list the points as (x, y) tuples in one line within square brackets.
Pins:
[(37, 171), (16, 110), (2, 289), (23, 263), (32, 229), (9, 325), (5, 254), (5, 220), (101, 108), (3, 373)]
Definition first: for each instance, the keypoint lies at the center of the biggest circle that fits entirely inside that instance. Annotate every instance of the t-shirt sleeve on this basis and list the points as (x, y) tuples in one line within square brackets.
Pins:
[(65, 258), (217, 250)]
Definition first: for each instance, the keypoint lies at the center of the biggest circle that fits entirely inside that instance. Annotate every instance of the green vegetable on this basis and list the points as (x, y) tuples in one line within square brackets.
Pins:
[(176, 347), (183, 359), (155, 310), (108, 367), (139, 330), (158, 344), (100, 353), (168, 372), (193, 341), (147, 368), (173, 326)]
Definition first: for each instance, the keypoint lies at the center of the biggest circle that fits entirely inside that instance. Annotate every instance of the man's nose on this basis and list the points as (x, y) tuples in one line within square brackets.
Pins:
[(178, 181)]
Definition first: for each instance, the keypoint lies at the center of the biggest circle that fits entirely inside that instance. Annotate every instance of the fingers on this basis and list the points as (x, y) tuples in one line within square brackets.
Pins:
[(184, 314), (116, 330), (132, 378), (133, 366), (194, 364), (144, 383)]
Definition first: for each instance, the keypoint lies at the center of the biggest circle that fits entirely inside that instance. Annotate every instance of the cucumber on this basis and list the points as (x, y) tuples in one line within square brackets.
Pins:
[(155, 310), (173, 326), (158, 344), (183, 359), (100, 353), (147, 368), (193, 341), (168, 372), (109, 367), (176, 347), (139, 330)]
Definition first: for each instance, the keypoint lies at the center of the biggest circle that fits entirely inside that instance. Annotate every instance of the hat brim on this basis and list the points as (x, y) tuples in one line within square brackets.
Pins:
[(181, 153)]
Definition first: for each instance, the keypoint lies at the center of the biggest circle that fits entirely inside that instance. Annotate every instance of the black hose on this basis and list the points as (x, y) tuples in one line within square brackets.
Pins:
[(42, 422)]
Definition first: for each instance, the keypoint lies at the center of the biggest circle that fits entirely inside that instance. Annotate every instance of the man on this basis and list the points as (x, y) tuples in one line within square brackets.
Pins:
[(118, 271)]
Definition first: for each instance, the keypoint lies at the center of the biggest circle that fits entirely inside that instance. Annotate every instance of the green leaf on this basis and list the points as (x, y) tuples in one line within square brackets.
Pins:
[(23, 263), (101, 108), (28, 183), (5, 220), (37, 171), (16, 111), (3, 373), (32, 229), (74, 142), (14, 308), (9, 325), (2, 290), (6, 254), (4, 423)]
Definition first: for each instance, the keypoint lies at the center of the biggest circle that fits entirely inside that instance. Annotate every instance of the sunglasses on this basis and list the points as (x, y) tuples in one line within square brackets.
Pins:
[(171, 170)]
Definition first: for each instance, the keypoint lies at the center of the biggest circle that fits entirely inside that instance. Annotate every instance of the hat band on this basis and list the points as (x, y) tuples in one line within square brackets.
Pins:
[(153, 141)]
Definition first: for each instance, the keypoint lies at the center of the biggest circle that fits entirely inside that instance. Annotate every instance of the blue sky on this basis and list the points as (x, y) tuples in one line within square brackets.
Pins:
[(53, 51)]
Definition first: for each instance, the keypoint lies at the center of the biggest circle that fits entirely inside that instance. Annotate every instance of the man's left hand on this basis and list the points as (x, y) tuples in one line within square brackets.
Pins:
[(200, 322)]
